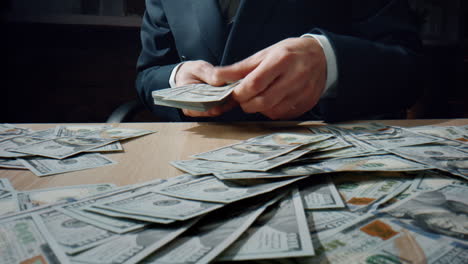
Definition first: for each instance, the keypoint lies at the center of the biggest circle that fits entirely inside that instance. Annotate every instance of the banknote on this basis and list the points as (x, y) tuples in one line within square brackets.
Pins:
[(80, 208), (320, 195), (211, 236), (199, 97), (4, 192), (16, 142), (211, 189), (371, 163), (368, 163), (71, 234), (280, 232), (441, 211), (8, 131), (12, 163), (77, 130), (133, 247), (261, 148), (48, 133), (60, 148), (45, 166), (204, 167), (324, 221), (402, 138), (8, 204), (278, 173), (159, 206), (23, 240), (40, 197), (112, 147), (142, 218), (5, 184), (118, 133), (445, 158), (382, 239), (431, 179), (360, 191), (448, 132)]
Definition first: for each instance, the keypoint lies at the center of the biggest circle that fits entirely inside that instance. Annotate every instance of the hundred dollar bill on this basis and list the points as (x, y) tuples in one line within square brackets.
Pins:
[(15, 142), (45, 134), (87, 131), (77, 130), (210, 189), (371, 163), (203, 167), (118, 133), (23, 240), (71, 234), (5, 184), (159, 206), (8, 204), (445, 158), (321, 195), (261, 148), (382, 239), (211, 236), (40, 197), (360, 191), (448, 132), (60, 148), (8, 131), (112, 147), (45, 166), (11, 164), (402, 138), (132, 247), (324, 221), (280, 232), (431, 180), (80, 208), (442, 211), (115, 214), (199, 97)]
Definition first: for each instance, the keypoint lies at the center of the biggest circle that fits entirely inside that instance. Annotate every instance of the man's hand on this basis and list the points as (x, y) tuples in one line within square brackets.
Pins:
[(282, 81), (201, 72)]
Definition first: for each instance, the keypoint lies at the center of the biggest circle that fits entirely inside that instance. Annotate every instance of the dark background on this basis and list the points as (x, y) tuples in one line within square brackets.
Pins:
[(74, 60)]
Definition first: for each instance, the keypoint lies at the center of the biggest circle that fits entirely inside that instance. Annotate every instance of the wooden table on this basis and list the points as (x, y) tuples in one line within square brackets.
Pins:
[(148, 157)]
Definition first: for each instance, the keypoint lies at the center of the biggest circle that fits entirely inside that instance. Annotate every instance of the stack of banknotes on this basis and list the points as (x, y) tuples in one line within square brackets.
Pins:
[(199, 97), (61, 149), (364, 193)]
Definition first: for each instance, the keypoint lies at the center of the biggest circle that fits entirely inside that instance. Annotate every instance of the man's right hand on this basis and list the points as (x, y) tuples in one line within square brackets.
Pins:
[(199, 71)]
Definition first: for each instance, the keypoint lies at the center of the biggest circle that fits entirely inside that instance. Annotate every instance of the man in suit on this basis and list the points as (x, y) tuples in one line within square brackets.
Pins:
[(299, 59)]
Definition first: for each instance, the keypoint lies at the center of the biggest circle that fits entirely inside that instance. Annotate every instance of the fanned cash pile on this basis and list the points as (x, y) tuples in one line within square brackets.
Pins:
[(364, 193), (200, 97), (61, 149)]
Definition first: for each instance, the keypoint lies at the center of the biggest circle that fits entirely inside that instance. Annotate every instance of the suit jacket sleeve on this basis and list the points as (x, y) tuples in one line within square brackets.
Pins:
[(157, 59), (378, 59)]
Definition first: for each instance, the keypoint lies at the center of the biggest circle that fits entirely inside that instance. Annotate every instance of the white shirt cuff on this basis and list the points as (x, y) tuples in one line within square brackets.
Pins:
[(172, 82), (332, 68)]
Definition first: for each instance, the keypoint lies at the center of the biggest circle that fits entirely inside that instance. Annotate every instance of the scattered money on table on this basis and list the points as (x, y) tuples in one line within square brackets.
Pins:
[(360, 193), (62, 149)]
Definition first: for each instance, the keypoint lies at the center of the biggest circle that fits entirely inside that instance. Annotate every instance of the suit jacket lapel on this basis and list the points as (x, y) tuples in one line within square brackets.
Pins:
[(211, 24), (250, 19)]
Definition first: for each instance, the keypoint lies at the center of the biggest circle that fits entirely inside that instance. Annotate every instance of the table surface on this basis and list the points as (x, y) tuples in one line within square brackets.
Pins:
[(147, 158)]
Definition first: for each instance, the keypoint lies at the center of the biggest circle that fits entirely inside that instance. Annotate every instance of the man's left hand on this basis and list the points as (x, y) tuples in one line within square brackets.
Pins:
[(282, 81)]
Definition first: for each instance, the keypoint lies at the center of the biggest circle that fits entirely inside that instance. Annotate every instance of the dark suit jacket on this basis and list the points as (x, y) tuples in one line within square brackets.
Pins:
[(375, 41)]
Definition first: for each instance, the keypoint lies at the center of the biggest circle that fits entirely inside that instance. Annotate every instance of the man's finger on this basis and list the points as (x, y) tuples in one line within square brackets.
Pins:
[(205, 72), (240, 69)]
